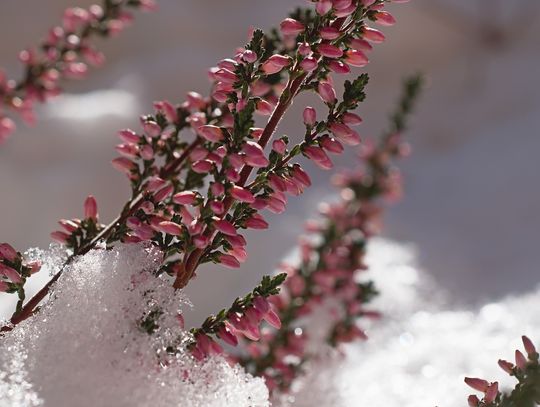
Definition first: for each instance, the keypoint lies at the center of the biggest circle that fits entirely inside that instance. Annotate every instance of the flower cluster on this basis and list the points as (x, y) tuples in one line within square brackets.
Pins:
[(241, 320), (65, 53), (328, 274), (526, 393)]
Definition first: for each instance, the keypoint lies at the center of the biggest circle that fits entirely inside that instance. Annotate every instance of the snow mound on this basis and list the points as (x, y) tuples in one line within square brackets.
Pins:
[(87, 347)]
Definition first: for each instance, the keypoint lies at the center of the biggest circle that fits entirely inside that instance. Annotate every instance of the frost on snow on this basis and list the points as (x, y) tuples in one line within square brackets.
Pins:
[(86, 346)]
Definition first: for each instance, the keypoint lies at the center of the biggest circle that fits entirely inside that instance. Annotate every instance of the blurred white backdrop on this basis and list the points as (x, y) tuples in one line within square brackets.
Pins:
[(471, 204)]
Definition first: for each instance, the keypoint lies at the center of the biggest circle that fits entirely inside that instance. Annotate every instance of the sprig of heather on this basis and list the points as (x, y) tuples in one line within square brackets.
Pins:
[(190, 167), (241, 320), (332, 260), (526, 393), (65, 53)]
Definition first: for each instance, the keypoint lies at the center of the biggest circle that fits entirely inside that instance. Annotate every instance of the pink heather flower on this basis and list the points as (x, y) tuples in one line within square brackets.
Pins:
[(155, 184), (330, 144), (304, 49), (35, 266), (90, 208), (202, 166), (60, 237), (521, 361), (123, 164), (339, 67), (93, 56), (318, 156), (384, 18), (163, 193), (211, 133), (329, 50), (168, 109), (342, 4), (473, 401), (7, 126), (373, 35), (491, 392), (169, 228), (309, 116), (299, 174), (276, 182), (4, 287), (351, 119), (290, 26), (11, 274), (239, 253), (242, 194), (249, 56), (225, 227), (196, 100), (477, 384), (8, 252), (256, 222), (356, 58), (185, 197), (217, 189), (529, 346), (229, 261), (275, 63), (506, 366), (226, 335), (128, 150), (323, 7), (329, 33), (264, 108), (346, 11), (309, 64), (272, 318), (147, 152), (360, 45), (151, 128), (225, 76), (129, 136), (327, 93), (279, 146), (261, 304), (201, 242)]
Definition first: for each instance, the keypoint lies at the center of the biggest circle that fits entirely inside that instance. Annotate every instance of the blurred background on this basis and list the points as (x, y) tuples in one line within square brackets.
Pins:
[(472, 198)]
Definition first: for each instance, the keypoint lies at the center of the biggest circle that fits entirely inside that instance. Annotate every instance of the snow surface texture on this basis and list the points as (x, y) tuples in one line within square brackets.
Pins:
[(85, 347), (420, 352)]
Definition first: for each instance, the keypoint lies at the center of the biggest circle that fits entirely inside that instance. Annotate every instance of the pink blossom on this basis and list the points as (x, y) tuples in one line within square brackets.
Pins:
[(242, 194), (185, 197), (169, 228), (373, 35), (211, 133), (8, 252), (90, 208), (225, 227), (309, 116), (327, 93), (275, 64), (229, 261), (329, 50), (356, 58), (291, 26)]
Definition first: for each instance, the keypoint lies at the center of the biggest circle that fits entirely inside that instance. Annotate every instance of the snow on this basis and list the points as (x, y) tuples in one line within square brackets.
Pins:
[(86, 348)]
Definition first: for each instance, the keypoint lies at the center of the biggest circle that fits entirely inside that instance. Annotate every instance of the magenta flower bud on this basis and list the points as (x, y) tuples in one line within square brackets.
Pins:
[(168, 110), (327, 93), (309, 64), (384, 18), (4, 287), (155, 184), (256, 222), (225, 227), (477, 384), (128, 150), (521, 361), (129, 136), (201, 242), (90, 208), (318, 156), (300, 175), (342, 4), (356, 58), (229, 261), (329, 33), (202, 166), (304, 49), (491, 393), (147, 152), (256, 132), (7, 127), (163, 193), (345, 12), (339, 67), (249, 56), (373, 35), (133, 222), (185, 198), (242, 194), (211, 133), (195, 100), (8, 252), (275, 63), (279, 146), (151, 128), (260, 303), (217, 189), (275, 205), (473, 401), (529, 346), (323, 7), (239, 253), (329, 50), (276, 183), (272, 318), (360, 45), (232, 175), (60, 237), (506, 366), (123, 164), (225, 76), (290, 26), (225, 334), (259, 204), (351, 119), (330, 144), (10, 273), (309, 116), (264, 108), (169, 228)]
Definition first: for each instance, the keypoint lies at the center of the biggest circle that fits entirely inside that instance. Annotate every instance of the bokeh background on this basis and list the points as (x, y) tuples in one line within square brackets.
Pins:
[(472, 197)]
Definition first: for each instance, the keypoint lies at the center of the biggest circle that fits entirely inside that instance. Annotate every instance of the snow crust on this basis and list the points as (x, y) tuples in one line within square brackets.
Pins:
[(86, 346)]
